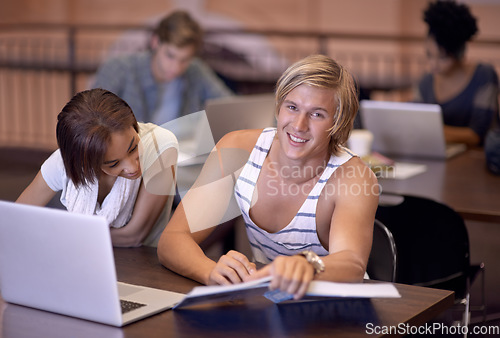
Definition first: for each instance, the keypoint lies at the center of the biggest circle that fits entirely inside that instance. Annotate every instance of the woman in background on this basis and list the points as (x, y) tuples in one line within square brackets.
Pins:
[(466, 91), (98, 169)]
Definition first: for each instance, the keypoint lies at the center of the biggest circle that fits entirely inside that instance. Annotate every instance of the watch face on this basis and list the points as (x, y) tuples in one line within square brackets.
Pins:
[(314, 260), (318, 264)]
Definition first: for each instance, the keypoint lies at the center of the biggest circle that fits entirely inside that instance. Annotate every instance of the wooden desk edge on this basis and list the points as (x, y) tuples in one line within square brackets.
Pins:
[(473, 215), (440, 300), (440, 305)]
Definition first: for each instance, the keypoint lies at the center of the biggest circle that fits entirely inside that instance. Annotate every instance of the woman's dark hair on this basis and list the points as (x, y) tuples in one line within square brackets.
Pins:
[(84, 128), (451, 25)]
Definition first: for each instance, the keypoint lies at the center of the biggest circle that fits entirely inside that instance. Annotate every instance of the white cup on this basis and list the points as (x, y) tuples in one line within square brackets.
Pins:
[(360, 142)]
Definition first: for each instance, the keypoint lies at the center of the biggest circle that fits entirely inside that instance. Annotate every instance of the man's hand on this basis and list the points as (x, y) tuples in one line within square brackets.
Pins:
[(290, 274), (233, 267)]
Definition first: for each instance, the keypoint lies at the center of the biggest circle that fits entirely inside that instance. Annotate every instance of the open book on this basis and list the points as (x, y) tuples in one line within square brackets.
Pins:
[(260, 287)]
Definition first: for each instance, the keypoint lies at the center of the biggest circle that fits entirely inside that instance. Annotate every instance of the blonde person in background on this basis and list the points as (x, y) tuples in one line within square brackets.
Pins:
[(103, 156), (466, 91), (307, 201)]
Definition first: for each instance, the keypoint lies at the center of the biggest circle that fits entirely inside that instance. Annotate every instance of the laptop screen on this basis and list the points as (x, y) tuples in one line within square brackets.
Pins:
[(404, 129)]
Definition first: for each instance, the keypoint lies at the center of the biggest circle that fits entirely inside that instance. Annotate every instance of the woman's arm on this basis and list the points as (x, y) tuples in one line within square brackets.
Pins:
[(158, 184), (37, 193), (461, 135), (148, 207)]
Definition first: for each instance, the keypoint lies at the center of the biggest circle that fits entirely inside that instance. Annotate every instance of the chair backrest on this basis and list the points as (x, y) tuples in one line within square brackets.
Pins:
[(383, 257), (432, 243)]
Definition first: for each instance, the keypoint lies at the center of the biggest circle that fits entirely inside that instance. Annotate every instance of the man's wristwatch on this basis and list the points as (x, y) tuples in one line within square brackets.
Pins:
[(314, 260)]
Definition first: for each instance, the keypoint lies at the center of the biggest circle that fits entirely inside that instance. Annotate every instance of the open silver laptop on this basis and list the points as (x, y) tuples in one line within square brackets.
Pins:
[(407, 129), (231, 113), (63, 262)]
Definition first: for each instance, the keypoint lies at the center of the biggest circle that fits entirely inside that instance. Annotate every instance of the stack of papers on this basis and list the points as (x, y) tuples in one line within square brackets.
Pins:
[(260, 287), (403, 170), (385, 167)]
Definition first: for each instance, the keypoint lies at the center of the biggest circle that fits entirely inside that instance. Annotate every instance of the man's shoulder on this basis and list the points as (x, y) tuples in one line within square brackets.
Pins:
[(198, 63), (355, 169), (199, 68), (129, 60), (241, 139), (200, 77), (123, 71)]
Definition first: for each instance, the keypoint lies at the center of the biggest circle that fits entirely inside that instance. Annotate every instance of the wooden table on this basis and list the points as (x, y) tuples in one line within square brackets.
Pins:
[(252, 318), (462, 182)]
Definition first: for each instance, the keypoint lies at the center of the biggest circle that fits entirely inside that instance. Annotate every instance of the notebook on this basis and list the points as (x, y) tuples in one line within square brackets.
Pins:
[(221, 116), (63, 262), (407, 129), (260, 287)]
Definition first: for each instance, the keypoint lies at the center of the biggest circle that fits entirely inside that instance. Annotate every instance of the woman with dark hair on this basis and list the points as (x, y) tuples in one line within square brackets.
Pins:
[(102, 157), (466, 91)]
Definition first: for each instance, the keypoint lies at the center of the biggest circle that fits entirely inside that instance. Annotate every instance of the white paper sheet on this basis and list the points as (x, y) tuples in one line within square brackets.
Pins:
[(358, 290), (257, 288), (402, 171)]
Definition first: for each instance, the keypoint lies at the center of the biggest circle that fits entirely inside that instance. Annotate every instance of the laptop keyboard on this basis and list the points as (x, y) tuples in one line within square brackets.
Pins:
[(129, 306)]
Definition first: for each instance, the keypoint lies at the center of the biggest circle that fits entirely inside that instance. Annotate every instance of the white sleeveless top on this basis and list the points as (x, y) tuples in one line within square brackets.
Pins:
[(300, 234)]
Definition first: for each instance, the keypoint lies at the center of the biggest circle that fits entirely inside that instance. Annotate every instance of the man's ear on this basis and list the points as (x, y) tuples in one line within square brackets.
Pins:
[(154, 42)]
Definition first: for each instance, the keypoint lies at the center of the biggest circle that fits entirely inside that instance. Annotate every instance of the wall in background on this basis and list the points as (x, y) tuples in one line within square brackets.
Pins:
[(354, 16), (30, 92)]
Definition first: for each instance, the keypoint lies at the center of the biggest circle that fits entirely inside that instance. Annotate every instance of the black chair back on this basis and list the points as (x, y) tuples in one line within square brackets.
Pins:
[(383, 257), (432, 243)]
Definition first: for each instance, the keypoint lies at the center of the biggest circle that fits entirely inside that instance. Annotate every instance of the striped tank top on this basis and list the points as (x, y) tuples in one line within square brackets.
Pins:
[(300, 234)]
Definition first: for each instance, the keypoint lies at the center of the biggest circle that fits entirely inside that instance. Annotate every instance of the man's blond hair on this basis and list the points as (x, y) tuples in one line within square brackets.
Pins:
[(323, 72)]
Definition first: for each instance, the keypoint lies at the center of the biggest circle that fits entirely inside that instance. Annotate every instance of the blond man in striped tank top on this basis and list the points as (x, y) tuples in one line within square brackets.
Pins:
[(307, 201)]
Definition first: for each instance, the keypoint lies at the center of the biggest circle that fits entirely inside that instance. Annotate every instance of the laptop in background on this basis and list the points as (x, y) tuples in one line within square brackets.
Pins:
[(238, 112), (63, 262), (407, 129), (223, 115)]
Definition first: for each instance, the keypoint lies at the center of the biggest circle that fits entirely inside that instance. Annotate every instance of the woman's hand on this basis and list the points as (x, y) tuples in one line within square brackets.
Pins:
[(232, 268), (290, 274)]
